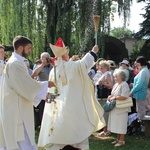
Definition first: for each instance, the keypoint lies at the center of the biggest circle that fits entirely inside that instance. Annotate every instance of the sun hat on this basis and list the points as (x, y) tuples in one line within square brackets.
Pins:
[(112, 63), (125, 62)]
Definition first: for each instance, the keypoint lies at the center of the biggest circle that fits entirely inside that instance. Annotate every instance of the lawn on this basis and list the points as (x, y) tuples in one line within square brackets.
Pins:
[(134, 142)]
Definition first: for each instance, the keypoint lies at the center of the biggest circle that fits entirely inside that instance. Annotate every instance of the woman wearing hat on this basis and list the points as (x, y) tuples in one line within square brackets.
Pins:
[(75, 114)]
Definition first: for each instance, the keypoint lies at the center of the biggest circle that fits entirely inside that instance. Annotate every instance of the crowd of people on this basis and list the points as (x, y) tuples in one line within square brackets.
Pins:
[(66, 96)]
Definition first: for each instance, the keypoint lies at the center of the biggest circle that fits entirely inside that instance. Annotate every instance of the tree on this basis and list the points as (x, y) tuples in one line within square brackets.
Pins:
[(145, 31), (44, 20), (145, 25), (20, 17), (136, 50), (120, 32)]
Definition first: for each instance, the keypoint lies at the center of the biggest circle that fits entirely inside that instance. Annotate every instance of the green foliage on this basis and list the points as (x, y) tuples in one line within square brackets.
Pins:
[(145, 25), (43, 21), (124, 9), (136, 50), (20, 17), (144, 51), (120, 32)]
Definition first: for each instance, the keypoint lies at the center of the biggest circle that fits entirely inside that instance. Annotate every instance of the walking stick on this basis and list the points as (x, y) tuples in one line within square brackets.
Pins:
[(96, 19)]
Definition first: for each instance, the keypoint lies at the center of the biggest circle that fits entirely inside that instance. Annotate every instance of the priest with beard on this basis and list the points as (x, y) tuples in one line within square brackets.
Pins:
[(19, 92)]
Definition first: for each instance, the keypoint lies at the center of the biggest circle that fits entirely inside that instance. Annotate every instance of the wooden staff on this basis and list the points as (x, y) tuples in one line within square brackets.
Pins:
[(96, 19)]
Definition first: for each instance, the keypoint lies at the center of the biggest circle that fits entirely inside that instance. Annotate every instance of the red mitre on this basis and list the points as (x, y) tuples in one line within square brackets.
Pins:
[(59, 42)]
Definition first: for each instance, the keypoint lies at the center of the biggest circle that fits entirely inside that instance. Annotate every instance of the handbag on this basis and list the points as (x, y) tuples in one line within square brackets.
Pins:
[(109, 105), (102, 92), (124, 103)]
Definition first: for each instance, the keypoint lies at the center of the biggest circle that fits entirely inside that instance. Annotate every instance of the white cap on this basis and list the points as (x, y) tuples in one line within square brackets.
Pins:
[(125, 62)]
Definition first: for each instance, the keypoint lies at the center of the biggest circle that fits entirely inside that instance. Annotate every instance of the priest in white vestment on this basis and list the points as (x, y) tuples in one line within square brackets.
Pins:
[(75, 114), (17, 95)]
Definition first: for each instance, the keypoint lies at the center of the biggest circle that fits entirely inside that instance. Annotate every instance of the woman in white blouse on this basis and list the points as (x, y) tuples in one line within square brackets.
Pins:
[(118, 117)]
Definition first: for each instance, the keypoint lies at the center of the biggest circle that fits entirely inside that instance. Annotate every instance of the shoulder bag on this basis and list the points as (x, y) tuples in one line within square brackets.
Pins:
[(109, 105), (124, 103)]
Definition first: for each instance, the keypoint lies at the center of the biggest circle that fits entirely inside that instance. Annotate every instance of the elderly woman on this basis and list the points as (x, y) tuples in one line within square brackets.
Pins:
[(118, 117)]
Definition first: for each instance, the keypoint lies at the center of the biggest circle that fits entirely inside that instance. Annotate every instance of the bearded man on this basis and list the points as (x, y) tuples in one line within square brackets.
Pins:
[(19, 92)]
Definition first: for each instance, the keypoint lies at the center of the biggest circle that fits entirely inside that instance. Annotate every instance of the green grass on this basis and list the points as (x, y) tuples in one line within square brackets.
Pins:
[(134, 142)]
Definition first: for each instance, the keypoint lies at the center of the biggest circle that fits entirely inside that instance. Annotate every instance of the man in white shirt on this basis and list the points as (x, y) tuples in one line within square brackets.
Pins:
[(18, 94)]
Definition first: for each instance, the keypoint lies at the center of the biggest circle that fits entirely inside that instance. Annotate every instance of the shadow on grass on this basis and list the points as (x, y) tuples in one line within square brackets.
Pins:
[(134, 142)]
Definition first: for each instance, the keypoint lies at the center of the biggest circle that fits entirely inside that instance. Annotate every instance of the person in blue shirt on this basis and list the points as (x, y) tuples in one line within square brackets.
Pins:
[(42, 70), (140, 86)]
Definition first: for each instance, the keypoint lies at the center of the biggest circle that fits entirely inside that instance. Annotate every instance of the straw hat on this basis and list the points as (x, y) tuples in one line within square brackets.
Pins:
[(112, 63), (75, 58), (59, 48)]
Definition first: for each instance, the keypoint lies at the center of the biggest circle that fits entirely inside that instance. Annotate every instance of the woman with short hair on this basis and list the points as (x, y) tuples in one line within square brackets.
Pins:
[(104, 87), (105, 81), (118, 117), (140, 86)]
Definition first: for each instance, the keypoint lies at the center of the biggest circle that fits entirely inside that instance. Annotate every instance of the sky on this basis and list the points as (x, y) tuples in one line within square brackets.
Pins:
[(135, 19)]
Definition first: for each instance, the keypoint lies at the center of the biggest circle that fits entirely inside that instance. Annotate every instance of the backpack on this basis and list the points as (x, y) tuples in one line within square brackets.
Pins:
[(134, 127)]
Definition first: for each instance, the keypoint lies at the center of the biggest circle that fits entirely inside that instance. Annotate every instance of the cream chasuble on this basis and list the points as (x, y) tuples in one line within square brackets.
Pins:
[(76, 114)]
